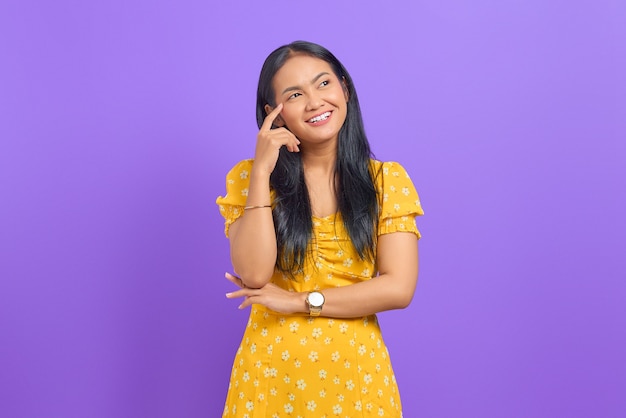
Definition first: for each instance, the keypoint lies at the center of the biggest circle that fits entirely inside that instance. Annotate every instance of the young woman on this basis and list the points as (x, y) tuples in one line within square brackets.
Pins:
[(322, 237)]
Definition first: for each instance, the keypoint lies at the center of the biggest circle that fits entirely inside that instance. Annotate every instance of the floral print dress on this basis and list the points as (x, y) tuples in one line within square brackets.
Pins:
[(298, 366)]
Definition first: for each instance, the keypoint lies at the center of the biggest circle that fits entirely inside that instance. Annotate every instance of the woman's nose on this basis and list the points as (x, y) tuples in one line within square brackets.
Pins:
[(314, 101)]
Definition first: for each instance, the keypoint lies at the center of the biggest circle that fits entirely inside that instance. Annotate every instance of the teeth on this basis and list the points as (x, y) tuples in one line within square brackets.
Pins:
[(323, 116)]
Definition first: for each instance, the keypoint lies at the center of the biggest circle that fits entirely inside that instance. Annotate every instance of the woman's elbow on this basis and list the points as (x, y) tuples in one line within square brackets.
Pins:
[(404, 296), (403, 301), (255, 279)]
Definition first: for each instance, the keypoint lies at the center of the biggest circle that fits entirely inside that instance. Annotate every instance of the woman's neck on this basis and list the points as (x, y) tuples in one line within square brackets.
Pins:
[(320, 160)]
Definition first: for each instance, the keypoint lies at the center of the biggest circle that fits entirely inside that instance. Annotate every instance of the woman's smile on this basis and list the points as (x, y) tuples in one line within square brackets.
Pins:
[(320, 119)]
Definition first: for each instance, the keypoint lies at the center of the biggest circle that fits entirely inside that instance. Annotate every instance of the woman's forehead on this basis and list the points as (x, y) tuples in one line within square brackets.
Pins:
[(301, 69)]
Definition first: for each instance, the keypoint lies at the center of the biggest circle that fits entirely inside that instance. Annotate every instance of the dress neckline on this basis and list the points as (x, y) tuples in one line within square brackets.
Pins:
[(327, 217)]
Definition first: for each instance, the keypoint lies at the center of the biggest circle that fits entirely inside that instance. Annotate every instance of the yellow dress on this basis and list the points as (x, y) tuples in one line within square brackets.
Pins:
[(297, 366)]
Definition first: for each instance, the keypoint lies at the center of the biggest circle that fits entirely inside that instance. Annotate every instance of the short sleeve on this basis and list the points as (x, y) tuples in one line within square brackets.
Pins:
[(237, 181), (399, 201)]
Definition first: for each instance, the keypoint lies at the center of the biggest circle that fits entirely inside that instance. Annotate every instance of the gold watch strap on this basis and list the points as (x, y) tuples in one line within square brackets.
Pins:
[(315, 310)]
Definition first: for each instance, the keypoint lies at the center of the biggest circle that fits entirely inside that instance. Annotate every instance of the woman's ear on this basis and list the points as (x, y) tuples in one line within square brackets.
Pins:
[(279, 122), (344, 85)]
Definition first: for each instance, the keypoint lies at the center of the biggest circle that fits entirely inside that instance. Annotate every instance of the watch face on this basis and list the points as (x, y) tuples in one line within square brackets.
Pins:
[(316, 299)]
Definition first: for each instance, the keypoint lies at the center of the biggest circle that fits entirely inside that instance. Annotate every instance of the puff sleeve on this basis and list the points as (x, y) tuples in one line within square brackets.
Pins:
[(399, 201), (237, 181)]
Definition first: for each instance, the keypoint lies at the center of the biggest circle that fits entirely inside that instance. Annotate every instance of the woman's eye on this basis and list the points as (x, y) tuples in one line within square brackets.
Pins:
[(293, 96), (324, 83)]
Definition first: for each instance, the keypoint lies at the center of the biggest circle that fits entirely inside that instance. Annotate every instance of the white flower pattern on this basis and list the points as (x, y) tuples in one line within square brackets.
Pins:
[(295, 365)]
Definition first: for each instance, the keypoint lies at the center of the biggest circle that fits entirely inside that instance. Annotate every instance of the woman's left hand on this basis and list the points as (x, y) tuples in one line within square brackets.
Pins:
[(270, 296)]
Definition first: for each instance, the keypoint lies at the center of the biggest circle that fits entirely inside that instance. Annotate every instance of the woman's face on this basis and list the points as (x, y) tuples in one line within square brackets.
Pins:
[(314, 99)]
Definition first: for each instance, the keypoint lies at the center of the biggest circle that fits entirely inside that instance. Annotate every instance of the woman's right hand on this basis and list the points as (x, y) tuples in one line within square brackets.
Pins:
[(269, 142)]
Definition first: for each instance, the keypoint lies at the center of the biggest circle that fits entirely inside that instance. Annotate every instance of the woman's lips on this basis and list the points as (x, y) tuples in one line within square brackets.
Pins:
[(320, 119)]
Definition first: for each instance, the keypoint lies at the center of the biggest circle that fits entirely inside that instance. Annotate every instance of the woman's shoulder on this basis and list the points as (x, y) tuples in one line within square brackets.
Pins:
[(243, 164), (397, 194), (382, 169), (241, 169), (380, 164)]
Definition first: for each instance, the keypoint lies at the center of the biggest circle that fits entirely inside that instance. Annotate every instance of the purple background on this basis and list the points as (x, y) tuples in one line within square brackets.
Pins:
[(119, 120)]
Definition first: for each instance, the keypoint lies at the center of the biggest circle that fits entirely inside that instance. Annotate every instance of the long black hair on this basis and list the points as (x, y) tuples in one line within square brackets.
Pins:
[(356, 194)]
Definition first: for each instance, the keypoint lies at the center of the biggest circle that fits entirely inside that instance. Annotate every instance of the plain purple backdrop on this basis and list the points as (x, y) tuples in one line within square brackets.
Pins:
[(118, 123)]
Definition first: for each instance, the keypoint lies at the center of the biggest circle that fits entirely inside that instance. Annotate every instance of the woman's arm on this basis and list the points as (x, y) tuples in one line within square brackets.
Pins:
[(252, 236), (393, 288)]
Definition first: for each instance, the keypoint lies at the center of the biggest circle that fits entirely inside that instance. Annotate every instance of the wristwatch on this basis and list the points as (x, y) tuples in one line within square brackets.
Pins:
[(315, 301)]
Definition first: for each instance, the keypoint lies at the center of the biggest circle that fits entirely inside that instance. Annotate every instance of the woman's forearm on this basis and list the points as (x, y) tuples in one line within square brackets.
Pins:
[(381, 293)]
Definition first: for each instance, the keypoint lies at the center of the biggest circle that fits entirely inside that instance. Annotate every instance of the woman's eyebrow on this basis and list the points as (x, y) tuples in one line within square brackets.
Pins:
[(317, 77)]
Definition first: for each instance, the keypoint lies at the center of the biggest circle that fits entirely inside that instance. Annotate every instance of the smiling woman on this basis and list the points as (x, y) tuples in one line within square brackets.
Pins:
[(314, 100), (322, 238)]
